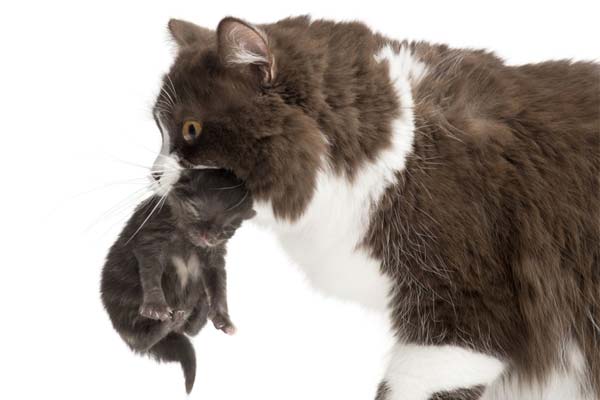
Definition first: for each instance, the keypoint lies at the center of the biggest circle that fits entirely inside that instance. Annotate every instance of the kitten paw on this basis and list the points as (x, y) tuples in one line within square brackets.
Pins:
[(157, 311), (180, 315), (223, 323)]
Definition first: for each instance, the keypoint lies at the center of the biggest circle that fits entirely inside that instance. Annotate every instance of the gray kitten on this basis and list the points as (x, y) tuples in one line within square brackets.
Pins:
[(164, 280)]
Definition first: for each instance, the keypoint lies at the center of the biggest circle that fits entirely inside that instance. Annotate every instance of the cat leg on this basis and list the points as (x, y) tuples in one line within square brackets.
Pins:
[(154, 305), (197, 319), (215, 280), (151, 332), (424, 372), (461, 394)]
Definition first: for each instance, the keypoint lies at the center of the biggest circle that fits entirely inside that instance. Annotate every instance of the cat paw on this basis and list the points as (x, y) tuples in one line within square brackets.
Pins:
[(223, 323), (180, 315), (157, 311)]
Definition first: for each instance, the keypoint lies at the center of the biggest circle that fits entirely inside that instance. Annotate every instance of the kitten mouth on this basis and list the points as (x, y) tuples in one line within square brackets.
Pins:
[(202, 241)]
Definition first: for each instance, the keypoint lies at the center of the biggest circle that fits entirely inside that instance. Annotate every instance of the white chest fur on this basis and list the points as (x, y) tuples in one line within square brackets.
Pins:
[(325, 240), (324, 243), (186, 269)]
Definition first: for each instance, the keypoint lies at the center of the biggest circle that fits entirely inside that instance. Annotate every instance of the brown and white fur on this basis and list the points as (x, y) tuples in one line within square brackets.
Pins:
[(455, 193)]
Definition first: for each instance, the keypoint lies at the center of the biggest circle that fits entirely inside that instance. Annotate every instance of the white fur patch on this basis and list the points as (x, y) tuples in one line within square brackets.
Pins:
[(240, 53), (166, 166), (417, 372), (567, 381), (186, 270), (324, 240), (404, 67), (169, 170)]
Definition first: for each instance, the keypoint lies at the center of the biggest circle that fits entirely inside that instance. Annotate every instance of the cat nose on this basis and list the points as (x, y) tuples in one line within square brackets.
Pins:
[(156, 175)]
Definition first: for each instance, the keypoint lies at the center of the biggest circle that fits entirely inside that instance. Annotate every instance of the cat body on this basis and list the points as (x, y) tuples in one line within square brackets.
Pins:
[(455, 193), (161, 280)]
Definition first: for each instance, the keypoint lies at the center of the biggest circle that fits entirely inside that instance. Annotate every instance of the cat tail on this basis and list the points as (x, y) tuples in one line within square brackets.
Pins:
[(176, 347)]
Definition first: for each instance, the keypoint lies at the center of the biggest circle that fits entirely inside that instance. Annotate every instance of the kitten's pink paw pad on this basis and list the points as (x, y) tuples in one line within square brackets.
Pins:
[(223, 323), (230, 330)]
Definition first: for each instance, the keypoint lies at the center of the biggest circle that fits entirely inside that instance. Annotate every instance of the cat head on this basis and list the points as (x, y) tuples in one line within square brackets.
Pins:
[(226, 103), (209, 205)]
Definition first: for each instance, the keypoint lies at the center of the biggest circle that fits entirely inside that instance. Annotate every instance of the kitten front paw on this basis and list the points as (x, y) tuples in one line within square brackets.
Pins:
[(223, 323), (157, 311)]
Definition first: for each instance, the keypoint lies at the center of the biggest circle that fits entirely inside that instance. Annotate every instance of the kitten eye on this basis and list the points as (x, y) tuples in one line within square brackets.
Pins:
[(191, 130)]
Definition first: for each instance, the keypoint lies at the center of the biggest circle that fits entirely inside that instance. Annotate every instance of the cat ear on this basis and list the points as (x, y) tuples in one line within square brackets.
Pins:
[(241, 43), (186, 34)]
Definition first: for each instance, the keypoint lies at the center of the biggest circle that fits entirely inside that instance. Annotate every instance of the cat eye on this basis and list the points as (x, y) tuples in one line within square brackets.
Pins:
[(191, 130)]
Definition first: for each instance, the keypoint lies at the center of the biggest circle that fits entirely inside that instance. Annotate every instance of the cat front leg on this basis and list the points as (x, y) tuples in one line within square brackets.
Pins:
[(445, 372), (460, 394), (154, 304)]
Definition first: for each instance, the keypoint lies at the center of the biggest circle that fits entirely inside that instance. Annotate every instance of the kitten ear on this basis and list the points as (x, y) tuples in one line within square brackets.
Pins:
[(186, 34), (241, 43)]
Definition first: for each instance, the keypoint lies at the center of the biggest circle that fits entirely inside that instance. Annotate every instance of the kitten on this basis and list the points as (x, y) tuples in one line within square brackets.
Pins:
[(165, 274), (456, 193)]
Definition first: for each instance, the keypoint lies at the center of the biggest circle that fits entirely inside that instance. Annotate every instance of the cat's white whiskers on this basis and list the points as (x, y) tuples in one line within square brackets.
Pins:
[(158, 203), (172, 88), (164, 106), (164, 200), (130, 200), (142, 180), (170, 99)]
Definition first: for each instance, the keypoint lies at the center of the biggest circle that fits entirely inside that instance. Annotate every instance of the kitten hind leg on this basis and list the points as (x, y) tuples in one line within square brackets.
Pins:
[(142, 341), (197, 319)]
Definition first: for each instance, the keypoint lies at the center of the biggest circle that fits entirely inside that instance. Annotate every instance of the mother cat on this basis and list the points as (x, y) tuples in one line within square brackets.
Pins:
[(456, 193)]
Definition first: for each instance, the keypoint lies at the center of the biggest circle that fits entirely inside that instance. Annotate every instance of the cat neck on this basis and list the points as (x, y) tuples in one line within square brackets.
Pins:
[(326, 239)]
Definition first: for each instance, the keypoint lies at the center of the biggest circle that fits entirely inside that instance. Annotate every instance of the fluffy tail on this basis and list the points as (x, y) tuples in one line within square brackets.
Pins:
[(177, 347)]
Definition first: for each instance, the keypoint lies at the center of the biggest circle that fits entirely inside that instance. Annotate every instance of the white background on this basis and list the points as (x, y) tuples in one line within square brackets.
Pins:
[(76, 84)]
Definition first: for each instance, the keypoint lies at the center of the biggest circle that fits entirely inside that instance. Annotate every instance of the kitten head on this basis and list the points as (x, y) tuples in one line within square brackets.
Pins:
[(209, 205), (226, 103)]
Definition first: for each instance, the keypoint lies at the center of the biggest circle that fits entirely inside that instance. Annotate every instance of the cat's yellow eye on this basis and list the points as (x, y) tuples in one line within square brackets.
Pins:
[(191, 130)]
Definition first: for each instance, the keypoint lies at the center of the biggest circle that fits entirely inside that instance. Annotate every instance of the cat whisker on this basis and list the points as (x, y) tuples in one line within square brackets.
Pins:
[(123, 204), (130, 163), (164, 200), (139, 202), (239, 202), (142, 180), (162, 111), (158, 203), (170, 101), (228, 187), (162, 105), (172, 87)]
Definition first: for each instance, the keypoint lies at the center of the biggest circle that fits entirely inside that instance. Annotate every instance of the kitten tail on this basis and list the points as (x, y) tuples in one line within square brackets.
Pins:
[(177, 347)]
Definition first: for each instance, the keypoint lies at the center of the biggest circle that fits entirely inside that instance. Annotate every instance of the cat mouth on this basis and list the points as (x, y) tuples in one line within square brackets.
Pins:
[(205, 165)]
